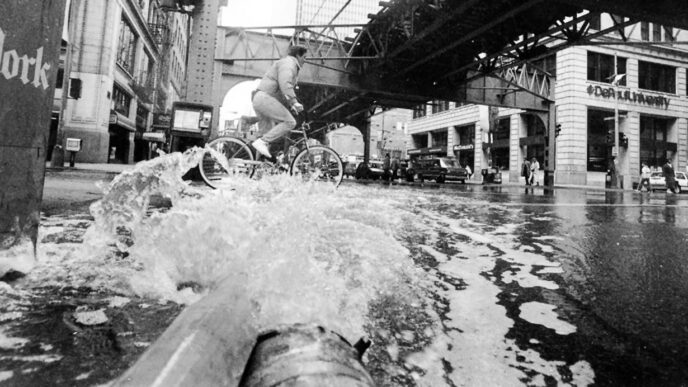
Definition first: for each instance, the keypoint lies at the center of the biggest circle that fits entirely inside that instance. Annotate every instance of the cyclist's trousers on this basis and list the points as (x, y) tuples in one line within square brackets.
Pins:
[(275, 120)]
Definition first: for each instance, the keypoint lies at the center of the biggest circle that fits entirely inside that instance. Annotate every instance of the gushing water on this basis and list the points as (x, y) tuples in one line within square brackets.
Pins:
[(413, 269), (299, 251)]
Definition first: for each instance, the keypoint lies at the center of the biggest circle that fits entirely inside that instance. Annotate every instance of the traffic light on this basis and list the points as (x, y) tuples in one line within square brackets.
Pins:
[(610, 136), (557, 130), (623, 140)]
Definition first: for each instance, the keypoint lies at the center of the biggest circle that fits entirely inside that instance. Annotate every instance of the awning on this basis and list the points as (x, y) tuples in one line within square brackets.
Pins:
[(153, 136), (119, 119)]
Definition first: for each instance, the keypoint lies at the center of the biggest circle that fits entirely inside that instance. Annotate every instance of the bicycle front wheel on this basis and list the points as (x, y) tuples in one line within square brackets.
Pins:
[(216, 171), (319, 163)]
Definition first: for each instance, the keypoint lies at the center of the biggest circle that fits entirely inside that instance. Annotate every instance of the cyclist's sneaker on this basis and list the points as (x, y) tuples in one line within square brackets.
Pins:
[(261, 147)]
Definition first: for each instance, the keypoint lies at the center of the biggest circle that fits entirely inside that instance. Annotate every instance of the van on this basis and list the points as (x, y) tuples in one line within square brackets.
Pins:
[(440, 169)]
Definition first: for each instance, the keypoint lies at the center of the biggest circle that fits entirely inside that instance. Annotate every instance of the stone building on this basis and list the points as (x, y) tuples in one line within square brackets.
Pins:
[(650, 98), (128, 64)]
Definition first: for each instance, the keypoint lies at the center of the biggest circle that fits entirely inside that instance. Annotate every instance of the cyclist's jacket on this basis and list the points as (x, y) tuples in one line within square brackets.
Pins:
[(279, 81)]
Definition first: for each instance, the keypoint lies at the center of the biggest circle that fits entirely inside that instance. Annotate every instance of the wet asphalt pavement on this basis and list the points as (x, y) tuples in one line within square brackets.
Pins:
[(624, 283)]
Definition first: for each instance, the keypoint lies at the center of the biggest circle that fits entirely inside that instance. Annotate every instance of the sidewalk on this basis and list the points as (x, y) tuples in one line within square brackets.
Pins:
[(91, 167)]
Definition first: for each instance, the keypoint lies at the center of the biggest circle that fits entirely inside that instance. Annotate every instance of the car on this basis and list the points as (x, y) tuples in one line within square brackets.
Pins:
[(372, 170), (657, 181), (350, 168), (440, 169)]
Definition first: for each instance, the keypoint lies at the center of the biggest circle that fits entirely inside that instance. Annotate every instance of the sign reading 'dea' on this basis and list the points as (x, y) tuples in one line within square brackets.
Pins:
[(629, 96)]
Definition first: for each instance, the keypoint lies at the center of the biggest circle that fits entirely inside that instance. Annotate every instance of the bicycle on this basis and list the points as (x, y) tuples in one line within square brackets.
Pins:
[(311, 162)]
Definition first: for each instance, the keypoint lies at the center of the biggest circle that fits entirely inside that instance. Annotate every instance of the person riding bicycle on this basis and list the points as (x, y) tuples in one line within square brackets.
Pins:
[(275, 96)]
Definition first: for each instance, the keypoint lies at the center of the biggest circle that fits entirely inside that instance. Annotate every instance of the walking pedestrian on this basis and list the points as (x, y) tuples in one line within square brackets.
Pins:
[(386, 166), (395, 168), (669, 176), (525, 170), (534, 168), (469, 172), (644, 178)]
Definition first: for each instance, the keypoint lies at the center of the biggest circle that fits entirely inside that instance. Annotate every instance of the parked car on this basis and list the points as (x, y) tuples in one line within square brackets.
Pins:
[(373, 170), (350, 168), (657, 181), (440, 169)]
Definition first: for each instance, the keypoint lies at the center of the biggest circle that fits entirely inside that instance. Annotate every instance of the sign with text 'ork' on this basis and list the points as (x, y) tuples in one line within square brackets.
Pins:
[(30, 36)]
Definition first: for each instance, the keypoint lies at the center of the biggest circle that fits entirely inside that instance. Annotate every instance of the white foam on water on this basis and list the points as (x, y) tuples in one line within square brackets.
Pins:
[(543, 314), (7, 342), (6, 375), (550, 270), (473, 340), (306, 252), (299, 251)]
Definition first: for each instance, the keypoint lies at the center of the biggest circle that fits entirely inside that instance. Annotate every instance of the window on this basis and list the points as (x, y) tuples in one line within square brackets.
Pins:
[(141, 118), (126, 47), (500, 158), (653, 76), (668, 34), (501, 131), (534, 125), (60, 78), (439, 106), (656, 32), (644, 31), (598, 149), (420, 140), (466, 134), (439, 138), (653, 144), (121, 101), (601, 68), (419, 111), (596, 22)]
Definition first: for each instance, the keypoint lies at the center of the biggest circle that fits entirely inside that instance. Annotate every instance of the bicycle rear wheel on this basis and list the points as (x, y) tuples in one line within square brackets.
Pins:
[(216, 171), (318, 162)]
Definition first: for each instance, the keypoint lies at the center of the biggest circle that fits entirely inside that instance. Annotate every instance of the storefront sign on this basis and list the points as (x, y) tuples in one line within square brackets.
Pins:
[(425, 151), (629, 96), (162, 119), (153, 136), (464, 147)]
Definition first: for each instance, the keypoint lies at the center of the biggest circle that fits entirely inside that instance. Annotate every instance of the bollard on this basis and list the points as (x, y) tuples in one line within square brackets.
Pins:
[(304, 355), (30, 35)]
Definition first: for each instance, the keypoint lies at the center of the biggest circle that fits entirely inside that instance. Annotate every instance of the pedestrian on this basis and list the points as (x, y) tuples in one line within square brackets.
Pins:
[(395, 168), (386, 165), (275, 97), (644, 178), (534, 168), (525, 170), (469, 172), (669, 176)]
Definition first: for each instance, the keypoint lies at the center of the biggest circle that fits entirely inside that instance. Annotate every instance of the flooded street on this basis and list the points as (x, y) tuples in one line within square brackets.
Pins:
[(462, 285)]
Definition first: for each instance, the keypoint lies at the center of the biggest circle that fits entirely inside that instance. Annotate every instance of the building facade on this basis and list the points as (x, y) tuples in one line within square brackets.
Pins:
[(650, 98), (128, 64)]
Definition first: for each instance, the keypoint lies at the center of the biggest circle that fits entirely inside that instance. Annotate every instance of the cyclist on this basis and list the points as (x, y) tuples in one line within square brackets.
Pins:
[(275, 96)]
